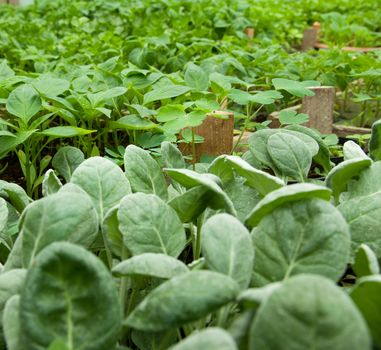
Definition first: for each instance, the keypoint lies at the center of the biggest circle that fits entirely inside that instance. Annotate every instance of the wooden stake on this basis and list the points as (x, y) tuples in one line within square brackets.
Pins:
[(250, 32), (217, 131), (310, 38), (320, 108)]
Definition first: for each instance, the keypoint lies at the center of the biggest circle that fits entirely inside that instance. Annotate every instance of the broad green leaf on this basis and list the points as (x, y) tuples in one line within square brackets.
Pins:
[(100, 98), (367, 183), (183, 299), (296, 88), (292, 117), (284, 195), (11, 324), (366, 262), (337, 179), (266, 97), (375, 141), (15, 194), (5, 71), (192, 203), (58, 345), (69, 294), (363, 215), (171, 156), (165, 92), (290, 155), (149, 225), (103, 181), (366, 294), (226, 246), (24, 102), (65, 131), (309, 312), (352, 150), (244, 198), (257, 179), (189, 179), (59, 217), (9, 143), (196, 78), (168, 113), (50, 86), (240, 97), (11, 283), (133, 122), (110, 229), (144, 172), (323, 155), (207, 339), (308, 236), (51, 183), (66, 160), (150, 265)]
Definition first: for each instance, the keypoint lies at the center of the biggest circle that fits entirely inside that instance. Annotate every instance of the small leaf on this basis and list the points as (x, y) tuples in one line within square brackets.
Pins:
[(65, 131), (375, 141), (226, 246), (144, 172), (149, 225), (150, 265), (283, 195), (309, 312), (24, 102), (210, 338), (66, 160), (352, 150), (366, 262), (291, 117), (133, 122), (196, 78), (165, 92), (296, 88), (51, 183), (183, 299)]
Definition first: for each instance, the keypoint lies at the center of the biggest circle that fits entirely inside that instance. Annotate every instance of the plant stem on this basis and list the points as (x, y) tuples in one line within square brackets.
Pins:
[(123, 281), (200, 221), (193, 152)]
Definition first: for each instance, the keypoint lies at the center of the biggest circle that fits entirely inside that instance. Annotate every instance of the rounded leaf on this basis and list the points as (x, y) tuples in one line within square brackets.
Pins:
[(207, 339), (69, 294), (308, 312), (183, 299), (151, 265), (227, 248), (103, 181), (308, 236), (149, 225)]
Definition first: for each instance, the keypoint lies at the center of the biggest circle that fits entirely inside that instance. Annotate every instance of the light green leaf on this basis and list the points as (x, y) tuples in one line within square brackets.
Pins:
[(189, 179), (253, 297), (150, 265), (168, 113), (338, 178), (352, 150), (226, 246), (48, 85), (171, 156), (69, 294), (290, 155), (363, 215), (149, 225), (165, 92), (284, 195), (292, 117), (266, 97), (296, 88), (196, 78), (133, 122), (210, 338), (144, 172), (61, 216), (103, 181), (65, 131), (183, 299), (308, 236), (51, 183), (24, 102), (66, 160), (15, 194), (309, 312), (11, 324), (366, 262), (366, 294)]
